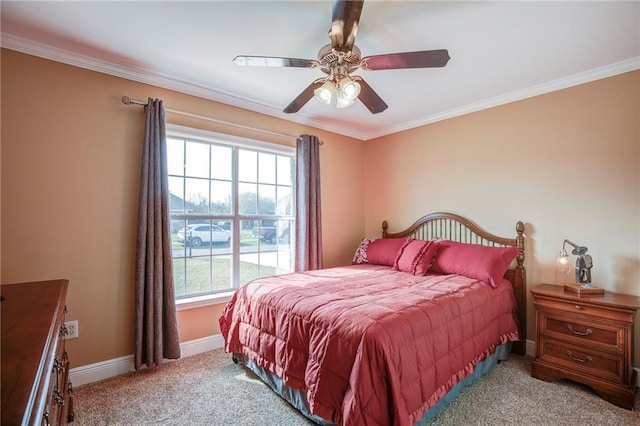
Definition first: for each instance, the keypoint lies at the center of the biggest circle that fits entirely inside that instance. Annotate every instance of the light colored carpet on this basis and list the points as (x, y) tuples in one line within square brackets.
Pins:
[(209, 389)]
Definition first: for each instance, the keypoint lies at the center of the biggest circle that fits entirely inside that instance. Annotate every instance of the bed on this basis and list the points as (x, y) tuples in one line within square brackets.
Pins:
[(392, 338)]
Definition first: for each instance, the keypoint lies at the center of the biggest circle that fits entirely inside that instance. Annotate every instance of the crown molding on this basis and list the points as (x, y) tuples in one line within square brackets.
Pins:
[(518, 95), (194, 88), (159, 79)]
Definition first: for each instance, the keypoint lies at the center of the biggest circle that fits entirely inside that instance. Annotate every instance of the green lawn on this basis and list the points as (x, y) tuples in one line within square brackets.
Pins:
[(193, 275), (203, 274)]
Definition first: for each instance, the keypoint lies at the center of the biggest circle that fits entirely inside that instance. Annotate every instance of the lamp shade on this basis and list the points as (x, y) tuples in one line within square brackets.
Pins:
[(324, 92), (562, 263), (349, 89), (342, 102)]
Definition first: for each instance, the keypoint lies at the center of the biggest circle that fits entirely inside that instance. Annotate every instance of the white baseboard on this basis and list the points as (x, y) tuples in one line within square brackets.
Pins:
[(117, 366)]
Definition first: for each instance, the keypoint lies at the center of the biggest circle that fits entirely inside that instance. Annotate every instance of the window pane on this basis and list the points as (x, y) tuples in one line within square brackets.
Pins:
[(266, 199), (265, 231), (285, 170), (176, 196), (248, 268), (197, 194), (175, 156), (197, 160), (197, 275), (285, 261), (221, 162), (267, 168), (248, 198), (222, 273), (284, 206), (220, 197), (247, 166), (285, 228), (179, 277), (248, 235)]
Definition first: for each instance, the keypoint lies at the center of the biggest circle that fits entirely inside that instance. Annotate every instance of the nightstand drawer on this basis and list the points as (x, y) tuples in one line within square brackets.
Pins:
[(583, 330), (582, 360), (584, 308), (586, 339)]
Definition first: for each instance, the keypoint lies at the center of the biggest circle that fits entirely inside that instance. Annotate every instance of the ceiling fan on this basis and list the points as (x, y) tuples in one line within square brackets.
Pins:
[(341, 57)]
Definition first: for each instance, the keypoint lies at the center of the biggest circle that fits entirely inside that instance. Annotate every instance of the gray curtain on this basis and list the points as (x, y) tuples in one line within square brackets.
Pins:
[(308, 206), (156, 327)]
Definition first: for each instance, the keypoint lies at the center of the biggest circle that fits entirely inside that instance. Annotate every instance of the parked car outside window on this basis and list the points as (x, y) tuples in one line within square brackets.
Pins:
[(196, 234), (271, 231)]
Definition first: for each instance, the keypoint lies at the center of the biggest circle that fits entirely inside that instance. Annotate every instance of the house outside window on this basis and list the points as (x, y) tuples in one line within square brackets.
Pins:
[(232, 210)]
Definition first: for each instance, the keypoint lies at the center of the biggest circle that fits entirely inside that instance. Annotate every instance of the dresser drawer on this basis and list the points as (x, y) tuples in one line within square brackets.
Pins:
[(581, 360), (586, 309), (582, 330), (35, 367)]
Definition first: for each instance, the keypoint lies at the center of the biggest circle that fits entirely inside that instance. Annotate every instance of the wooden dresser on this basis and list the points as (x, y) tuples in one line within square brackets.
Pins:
[(586, 339), (35, 367)]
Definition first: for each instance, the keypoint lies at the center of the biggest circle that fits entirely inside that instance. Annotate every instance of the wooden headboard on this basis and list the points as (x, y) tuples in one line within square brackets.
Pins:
[(457, 228)]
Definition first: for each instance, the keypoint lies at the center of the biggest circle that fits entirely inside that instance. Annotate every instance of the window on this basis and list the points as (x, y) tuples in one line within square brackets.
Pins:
[(232, 210)]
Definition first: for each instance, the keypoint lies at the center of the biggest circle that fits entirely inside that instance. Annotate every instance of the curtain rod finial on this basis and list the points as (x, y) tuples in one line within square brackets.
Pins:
[(127, 100)]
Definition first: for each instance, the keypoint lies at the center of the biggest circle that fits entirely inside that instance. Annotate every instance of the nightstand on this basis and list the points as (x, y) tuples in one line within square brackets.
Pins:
[(586, 339)]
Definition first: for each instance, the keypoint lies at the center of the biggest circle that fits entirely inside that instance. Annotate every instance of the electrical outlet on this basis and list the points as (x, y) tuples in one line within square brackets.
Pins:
[(72, 330)]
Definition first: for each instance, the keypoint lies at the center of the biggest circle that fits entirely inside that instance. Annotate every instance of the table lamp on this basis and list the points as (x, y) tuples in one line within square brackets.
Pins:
[(584, 263)]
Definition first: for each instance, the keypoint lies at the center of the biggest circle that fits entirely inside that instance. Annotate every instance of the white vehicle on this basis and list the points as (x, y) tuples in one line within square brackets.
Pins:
[(196, 234)]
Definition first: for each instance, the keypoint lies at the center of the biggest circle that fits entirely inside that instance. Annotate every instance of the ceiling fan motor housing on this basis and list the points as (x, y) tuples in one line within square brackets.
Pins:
[(330, 59)]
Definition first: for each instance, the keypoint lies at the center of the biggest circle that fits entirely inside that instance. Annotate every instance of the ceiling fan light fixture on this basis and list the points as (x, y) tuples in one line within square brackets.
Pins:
[(343, 102), (349, 89), (324, 92)]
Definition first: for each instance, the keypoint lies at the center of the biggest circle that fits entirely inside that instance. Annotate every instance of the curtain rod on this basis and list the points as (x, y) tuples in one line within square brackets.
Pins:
[(129, 101)]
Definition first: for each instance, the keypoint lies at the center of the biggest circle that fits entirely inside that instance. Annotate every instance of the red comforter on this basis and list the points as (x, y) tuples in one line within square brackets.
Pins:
[(368, 345)]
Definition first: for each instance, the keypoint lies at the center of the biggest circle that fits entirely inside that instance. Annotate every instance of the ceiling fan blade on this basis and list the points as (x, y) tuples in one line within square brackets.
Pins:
[(303, 97), (392, 61), (369, 97), (344, 24), (270, 61)]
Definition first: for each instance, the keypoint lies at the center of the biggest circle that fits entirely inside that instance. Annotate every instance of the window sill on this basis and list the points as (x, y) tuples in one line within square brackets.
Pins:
[(200, 301)]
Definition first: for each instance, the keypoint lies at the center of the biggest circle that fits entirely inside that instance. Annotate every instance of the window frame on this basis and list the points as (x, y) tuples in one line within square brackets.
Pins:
[(236, 142)]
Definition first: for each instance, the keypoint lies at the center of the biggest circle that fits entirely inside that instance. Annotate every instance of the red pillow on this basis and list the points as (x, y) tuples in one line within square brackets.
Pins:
[(381, 251), (474, 261), (416, 256)]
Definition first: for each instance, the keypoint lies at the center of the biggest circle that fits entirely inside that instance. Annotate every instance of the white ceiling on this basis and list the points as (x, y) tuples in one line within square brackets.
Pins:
[(500, 51)]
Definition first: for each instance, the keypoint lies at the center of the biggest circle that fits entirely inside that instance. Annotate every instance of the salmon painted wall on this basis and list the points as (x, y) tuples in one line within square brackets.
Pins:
[(566, 163), (70, 159)]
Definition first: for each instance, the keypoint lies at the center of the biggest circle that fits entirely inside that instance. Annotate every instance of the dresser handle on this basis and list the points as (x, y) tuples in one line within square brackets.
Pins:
[(588, 358), (58, 367), (578, 307), (59, 397), (588, 332)]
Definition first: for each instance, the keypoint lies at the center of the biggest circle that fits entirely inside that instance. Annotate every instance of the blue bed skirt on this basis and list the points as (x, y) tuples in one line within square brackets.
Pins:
[(299, 401)]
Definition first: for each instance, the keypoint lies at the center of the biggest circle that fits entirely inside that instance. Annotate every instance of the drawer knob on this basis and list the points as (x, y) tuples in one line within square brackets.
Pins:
[(588, 358), (586, 333), (578, 307)]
